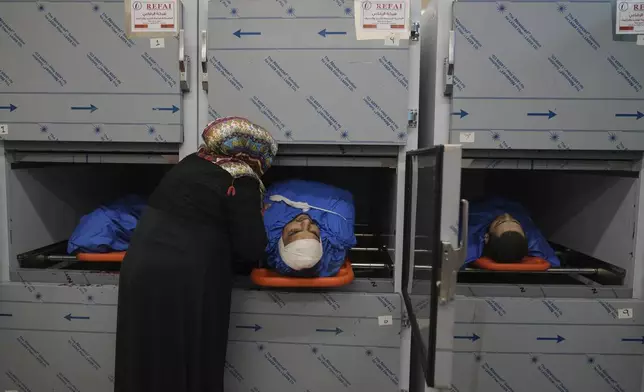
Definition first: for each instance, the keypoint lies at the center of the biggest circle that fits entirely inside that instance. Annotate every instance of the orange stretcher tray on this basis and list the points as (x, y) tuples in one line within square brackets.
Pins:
[(267, 278), (113, 257), (527, 264)]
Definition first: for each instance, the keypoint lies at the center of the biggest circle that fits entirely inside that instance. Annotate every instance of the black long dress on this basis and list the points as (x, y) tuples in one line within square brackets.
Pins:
[(176, 280)]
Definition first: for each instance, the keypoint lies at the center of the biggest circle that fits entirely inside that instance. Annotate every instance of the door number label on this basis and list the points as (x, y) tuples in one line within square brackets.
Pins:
[(385, 320), (625, 313), (4, 129), (157, 43)]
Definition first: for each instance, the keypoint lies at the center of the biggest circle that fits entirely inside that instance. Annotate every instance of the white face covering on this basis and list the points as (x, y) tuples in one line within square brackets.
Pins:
[(301, 254)]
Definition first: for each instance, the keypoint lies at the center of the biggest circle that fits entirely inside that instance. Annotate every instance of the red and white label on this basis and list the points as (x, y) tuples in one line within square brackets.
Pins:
[(384, 15), (154, 16), (630, 17)]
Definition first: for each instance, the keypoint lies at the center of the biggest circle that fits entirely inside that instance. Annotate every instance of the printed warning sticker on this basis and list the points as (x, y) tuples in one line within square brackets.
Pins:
[(630, 17), (378, 19), (156, 18)]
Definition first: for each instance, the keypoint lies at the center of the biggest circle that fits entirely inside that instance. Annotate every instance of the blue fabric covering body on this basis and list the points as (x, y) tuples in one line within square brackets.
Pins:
[(483, 213), (337, 233), (108, 228)]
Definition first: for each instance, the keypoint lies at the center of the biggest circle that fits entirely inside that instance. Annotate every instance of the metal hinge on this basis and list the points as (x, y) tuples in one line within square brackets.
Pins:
[(203, 59), (453, 259), (449, 67), (184, 64), (404, 321), (412, 118), (414, 33)]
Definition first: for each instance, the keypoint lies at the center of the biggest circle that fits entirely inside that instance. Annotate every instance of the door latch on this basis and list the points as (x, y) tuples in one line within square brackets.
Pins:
[(449, 67), (412, 118), (414, 33), (203, 58), (184, 64), (453, 259)]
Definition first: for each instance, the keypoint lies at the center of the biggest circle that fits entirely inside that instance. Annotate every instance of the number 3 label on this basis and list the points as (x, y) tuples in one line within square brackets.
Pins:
[(625, 313)]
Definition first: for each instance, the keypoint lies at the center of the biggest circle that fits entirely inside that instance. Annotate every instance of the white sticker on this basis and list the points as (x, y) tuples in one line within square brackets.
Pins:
[(384, 15), (640, 39), (392, 40), (157, 43), (4, 129), (466, 137), (149, 16), (376, 19), (625, 313), (630, 17), (385, 320)]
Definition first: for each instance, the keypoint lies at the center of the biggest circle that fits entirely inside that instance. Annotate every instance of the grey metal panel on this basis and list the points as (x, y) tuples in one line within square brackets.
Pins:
[(64, 277), (533, 291), (550, 164), (517, 61), (359, 285), (48, 351), (69, 73), (91, 148), (302, 85), (511, 344), (277, 341), (259, 366), (492, 372), (634, 156)]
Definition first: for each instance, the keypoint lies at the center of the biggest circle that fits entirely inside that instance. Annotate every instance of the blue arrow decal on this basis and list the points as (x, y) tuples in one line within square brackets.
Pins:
[(255, 327), (474, 337), (172, 109), (636, 116), (240, 33), (638, 340), (462, 113), (91, 108), (324, 33), (10, 108), (558, 339), (6, 315), (69, 317), (550, 114), (337, 331)]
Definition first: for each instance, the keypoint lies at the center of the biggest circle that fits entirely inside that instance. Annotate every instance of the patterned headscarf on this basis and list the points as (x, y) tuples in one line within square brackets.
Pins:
[(240, 147)]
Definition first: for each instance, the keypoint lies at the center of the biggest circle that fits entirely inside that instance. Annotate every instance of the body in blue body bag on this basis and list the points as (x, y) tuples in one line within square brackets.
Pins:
[(109, 228), (310, 228), (502, 230)]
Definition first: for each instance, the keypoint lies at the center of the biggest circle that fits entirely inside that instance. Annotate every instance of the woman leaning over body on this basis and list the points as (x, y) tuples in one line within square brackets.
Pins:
[(176, 280)]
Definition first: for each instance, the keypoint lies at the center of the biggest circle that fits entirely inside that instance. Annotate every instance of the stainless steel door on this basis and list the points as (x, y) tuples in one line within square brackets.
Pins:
[(433, 251)]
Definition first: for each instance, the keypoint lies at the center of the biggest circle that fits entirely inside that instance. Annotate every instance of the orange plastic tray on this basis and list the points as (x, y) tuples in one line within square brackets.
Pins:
[(113, 257), (267, 278), (527, 264)]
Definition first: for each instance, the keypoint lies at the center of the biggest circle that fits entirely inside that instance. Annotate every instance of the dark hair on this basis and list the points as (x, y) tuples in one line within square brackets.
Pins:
[(509, 247)]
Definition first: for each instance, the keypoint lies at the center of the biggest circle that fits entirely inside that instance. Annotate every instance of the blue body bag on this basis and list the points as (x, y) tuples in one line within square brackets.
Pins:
[(109, 228), (483, 213), (337, 232)]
